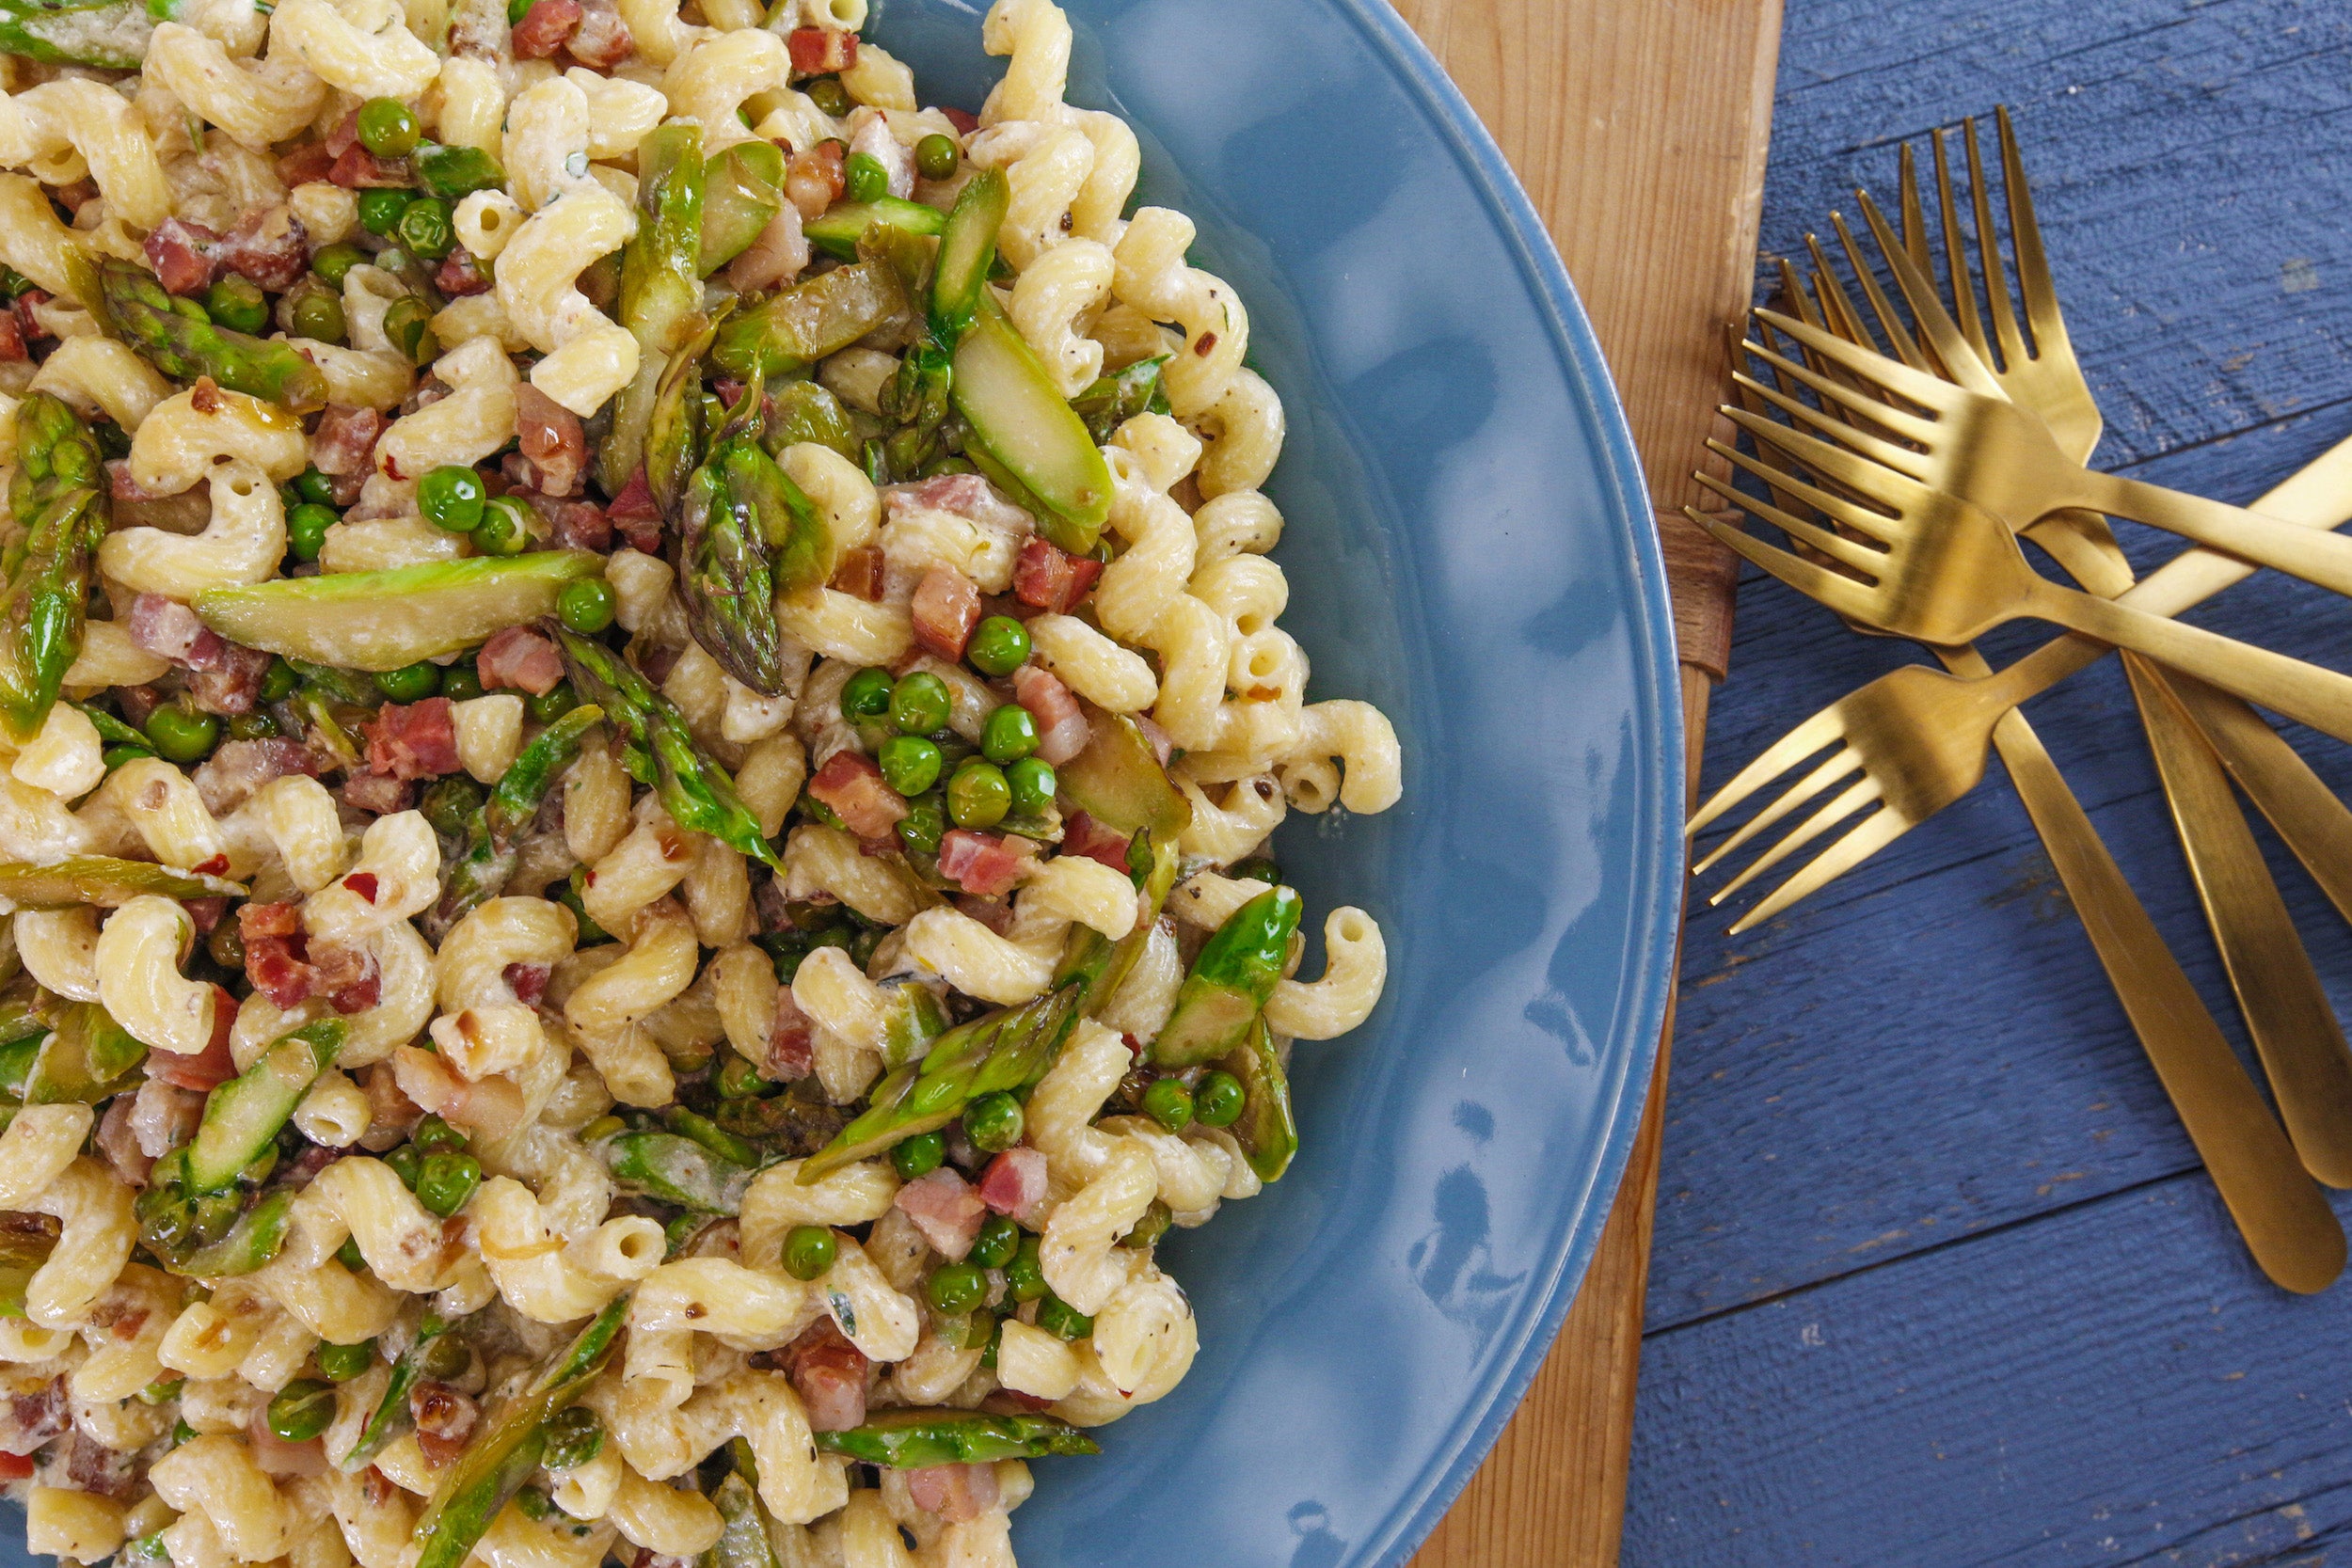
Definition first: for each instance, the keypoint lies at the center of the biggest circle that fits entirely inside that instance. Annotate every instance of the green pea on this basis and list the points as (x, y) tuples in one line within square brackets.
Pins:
[(445, 1356), (1010, 735), (1062, 1320), (552, 704), (302, 1410), (999, 645), (445, 1181), (238, 303), (451, 497), (315, 486), (334, 260), (957, 1287), (586, 606), (1219, 1099), (1258, 870), (380, 210), (919, 1155), (115, 756), (1033, 785), (936, 156), (424, 227), (410, 683), (1024, 1276), (993, 1122), (435, 1136), (252, 726), (997, 1244), (406, 1164), (461, 683), (919, 704), (408, 323), (864, 178), (1169, 1103), (828, 94), (866, 694), (978, 796), (280, 682), (317, 313), (387, 128), (506, 526), (181, 734), (575, 1435), (1154, 1224), (809, 1251), (306, 529), (925, 823), (910, 763), (349, 1256), (341, 1363)]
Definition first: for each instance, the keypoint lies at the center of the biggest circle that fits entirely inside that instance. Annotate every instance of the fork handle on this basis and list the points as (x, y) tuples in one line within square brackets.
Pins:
[(2304, 692), (2315, 557)]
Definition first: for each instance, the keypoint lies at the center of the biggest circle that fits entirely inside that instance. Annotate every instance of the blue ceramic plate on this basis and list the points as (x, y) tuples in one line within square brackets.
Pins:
[(1468, 548)]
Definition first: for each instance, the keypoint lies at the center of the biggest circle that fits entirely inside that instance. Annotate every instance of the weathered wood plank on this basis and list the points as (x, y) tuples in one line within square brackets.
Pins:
[(2088, 1389)]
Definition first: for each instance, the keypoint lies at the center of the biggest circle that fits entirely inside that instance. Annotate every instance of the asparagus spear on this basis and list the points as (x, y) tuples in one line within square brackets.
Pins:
[(1118, 780), (743, 192), (733, 508), (384, 620), (676, 1169), (802, 323), (87, 1057), (696, 791), (110, 34), (1230, 982), (1021, 422), (251, 1242), (242, 1115), (1009, 1049), (184, 1229), (496, 1464), (58, 499), (1112, 400), (744, 1542), (674, 436), (481, 872), (805, 411), (21, 1254), (392, 1417), (838, 231), (1268, 1131), (917, 1440), (138, 310), (660, 290), (967, 247), (103, 880), (453, 173)]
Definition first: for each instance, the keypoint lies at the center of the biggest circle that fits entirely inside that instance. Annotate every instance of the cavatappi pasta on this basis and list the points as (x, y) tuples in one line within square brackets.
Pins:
[(640, 704)]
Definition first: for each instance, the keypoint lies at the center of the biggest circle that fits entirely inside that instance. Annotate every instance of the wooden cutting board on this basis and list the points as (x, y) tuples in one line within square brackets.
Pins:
[(1639, 127)]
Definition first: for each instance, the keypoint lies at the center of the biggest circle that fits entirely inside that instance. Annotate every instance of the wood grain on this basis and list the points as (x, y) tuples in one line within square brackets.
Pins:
[(1638, 131)]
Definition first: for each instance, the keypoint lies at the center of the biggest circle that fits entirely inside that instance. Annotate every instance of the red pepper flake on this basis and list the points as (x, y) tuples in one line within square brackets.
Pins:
[(1206, 344), (362, 883), (212, 868)]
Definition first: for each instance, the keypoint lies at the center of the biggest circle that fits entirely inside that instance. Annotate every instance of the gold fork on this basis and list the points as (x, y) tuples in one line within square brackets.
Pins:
[(2287, 1013), (1982, 449)]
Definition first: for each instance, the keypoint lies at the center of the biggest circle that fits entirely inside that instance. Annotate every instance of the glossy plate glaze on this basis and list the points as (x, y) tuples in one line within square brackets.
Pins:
[(1468, 546)]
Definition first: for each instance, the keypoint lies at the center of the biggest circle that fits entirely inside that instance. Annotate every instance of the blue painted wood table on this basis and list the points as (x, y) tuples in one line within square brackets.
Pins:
[(1936, 1278)]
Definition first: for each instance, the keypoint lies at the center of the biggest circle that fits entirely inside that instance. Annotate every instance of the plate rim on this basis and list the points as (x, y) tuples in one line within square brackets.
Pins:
[(1650, 965)]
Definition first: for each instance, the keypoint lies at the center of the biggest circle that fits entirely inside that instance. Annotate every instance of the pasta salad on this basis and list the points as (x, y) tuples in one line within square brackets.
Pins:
[(639, 712)]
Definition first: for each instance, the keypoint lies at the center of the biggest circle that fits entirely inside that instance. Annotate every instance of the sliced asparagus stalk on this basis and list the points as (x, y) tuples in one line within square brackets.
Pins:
[(138, 310), (243, 1115), (103, 880), (918, 1439), (390, 619), (1003, 392), (1230, 982)]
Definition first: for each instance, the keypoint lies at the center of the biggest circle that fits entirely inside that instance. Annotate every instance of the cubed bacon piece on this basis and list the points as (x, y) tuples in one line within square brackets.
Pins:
[(359, 170), (965, 121), (861, 572), (792, 1041), (634, 513), (445, 1418), (255, 921), (818, 49), (988, 865), (345, 440), (12, 347), (851, 784), (1081, 834), (277, 970), (207, 912), (602, 40), (957, 1493), (544, 28), (529, 982), (180, 253), (208, 1068), (165, 627), (27, 1421), (1051, 578), (460, 275), (344, 132), (995, 913), (230, 776), (829, 1374), (946, 608), (306, 165), (27, 314), (348, 977), (945, 1209), (379, 794), (1014, 1183), (521, 658), (91, 1467), (230, 681), (268, 246), (814, 180), (1061, 725), (965, 494), (551, 439), (414, 740), (572, 525)]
